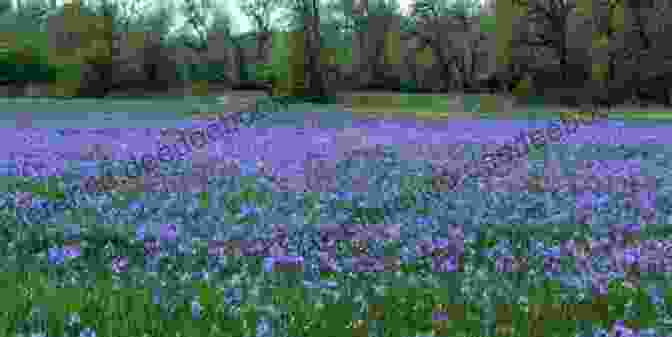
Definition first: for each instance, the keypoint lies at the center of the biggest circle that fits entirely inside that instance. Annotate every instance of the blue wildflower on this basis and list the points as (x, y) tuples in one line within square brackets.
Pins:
[(196, 310), (590, 200), (56, 256), (72, 231), (631, 255), (248, 168), (263, 328), (73, 319), (156, 296), (136, 206), (140, 232), (320, 284), (87, 332), (233, 296), (633, 228), (246, 210), (200, 275), (268, 264), (282, 263)]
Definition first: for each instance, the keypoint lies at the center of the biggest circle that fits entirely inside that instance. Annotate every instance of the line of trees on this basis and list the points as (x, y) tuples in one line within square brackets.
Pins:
[(570, 51)]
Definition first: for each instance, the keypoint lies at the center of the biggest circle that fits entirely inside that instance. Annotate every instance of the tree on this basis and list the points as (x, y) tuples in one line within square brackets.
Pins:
[(305, 15), (204, 20), (196, 13), (157, 24), (461, 17), (259, 11), (381, 19), (366, 23), (434, 25), (546, 22)]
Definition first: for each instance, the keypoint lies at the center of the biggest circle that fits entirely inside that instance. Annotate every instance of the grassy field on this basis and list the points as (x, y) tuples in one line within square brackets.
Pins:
[(112, 298), (106, 283), (384, 104), (471, 106)]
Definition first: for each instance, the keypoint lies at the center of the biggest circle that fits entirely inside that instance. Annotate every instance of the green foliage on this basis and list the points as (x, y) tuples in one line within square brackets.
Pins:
[(212, 71), (26, 59), (5, 5), (263, 72), (280, 54), (408, 86), (488, 23), (458, 8)]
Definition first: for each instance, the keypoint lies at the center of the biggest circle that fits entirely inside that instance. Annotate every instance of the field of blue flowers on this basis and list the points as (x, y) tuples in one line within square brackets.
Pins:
[(574, 241)]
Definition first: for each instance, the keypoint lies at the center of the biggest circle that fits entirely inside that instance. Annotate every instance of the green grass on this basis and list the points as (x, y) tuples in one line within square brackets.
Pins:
[(646, 115), (407, 105), (122, 305), (116, 306)]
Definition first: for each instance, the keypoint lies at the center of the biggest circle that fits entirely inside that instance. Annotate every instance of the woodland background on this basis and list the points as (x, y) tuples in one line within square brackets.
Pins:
[(569, 52)]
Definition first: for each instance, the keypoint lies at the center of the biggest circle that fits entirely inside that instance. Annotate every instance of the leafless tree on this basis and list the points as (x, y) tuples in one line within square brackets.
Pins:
[(259, 11), (305, 15)]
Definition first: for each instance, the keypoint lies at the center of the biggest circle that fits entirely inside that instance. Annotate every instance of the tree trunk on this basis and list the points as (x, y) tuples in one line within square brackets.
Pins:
[(316, 86), (444, 64), (238, 51)]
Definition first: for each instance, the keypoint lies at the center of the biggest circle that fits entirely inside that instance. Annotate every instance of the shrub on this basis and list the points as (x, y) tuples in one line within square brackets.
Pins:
[(408, 86), (26, 65), (26, 60)]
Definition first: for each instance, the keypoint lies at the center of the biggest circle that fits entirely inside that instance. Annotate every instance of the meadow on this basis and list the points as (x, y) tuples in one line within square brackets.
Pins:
[(347, 236)]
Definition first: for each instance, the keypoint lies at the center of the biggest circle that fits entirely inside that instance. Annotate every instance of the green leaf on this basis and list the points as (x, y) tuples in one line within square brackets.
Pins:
[(536, 153), (488, 23), (203, 200)]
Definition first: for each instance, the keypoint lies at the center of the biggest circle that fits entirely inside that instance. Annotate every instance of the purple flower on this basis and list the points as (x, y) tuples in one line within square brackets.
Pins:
[(168, 232), (367, 264), (568, 248), (599, 283), (256, 248), (283, 263), (23, 199), (151, 247), (72, 249), (216, 247), (619, 330), (439, 316), (279, 232), (439, 247), (444, 264), (119, 264), (552, 261), (631, 255), (598, 200), (391, 232), (633, 228), (509, 263), (328, 263)]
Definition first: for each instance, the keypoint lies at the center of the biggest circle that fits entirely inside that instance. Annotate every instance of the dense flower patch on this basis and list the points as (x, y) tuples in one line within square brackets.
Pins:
[(364, 245)]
